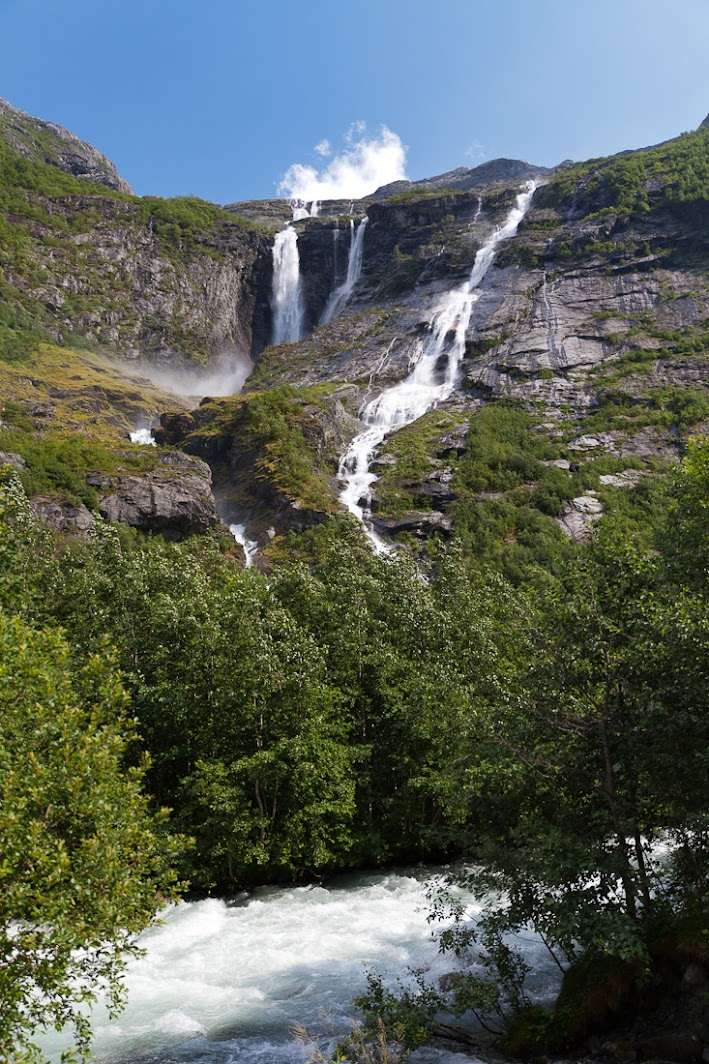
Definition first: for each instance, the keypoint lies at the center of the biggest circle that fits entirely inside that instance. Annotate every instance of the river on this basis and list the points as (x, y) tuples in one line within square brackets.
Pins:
[(223, 982)]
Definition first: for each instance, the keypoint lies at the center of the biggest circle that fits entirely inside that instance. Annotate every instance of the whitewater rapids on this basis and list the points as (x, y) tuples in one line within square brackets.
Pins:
[(225, 981)]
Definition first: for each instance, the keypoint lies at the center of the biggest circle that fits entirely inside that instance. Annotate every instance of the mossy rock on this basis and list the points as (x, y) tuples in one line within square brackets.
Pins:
[(597, 993)]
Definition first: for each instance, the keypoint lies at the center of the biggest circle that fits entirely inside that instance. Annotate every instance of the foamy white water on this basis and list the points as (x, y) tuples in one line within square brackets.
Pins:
[(226, 981), (250, 546), (342, 294), (302, 210), (287, 298), (431, 381), (144, 437)]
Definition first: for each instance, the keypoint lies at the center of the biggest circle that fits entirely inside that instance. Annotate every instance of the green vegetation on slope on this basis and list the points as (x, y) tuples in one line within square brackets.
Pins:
[(44, 215), (673, 173)]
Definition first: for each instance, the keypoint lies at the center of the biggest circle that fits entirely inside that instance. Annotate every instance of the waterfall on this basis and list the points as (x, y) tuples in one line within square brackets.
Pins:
[(335, 251), (249, 546), (341, 295), (144, 437), (287, 295), (287, 298), (301, 209), (432, 379)]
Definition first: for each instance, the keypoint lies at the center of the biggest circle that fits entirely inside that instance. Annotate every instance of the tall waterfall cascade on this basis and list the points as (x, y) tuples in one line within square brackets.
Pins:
[(287, 291), (287, 299), (342, 294), (432, 380)]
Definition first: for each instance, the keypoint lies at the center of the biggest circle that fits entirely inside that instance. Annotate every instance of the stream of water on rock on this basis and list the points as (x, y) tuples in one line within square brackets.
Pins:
[(287, 290), (342, 294), (223, 982), (431, 381), (249, 546)]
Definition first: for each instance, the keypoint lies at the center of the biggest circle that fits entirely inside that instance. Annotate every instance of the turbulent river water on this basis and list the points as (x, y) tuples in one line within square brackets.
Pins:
[(223, 982)]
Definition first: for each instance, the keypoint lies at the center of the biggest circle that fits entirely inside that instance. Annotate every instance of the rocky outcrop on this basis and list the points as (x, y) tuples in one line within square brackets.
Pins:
[(12, 459), (34, 138), (175, 500), (62, 515), (494, 172), (580, 514), (415, 523)]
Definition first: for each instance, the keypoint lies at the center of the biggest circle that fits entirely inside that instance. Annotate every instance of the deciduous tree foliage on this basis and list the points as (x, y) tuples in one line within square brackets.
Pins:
[(82, 858)]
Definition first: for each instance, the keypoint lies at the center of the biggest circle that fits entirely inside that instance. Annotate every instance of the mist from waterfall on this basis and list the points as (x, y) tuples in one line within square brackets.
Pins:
[(432, 380), (342, 294)]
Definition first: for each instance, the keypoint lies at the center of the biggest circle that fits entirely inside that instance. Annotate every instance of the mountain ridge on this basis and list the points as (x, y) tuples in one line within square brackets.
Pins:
[(36, 138), (591, 323)]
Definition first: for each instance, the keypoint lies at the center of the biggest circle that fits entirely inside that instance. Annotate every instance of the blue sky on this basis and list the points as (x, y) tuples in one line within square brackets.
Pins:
[(219, 98)]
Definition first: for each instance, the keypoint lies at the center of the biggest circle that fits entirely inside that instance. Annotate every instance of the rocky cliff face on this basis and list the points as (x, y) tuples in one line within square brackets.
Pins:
[(33, 138), (590, 337), (79, 258), (124, 285), (592, 322)]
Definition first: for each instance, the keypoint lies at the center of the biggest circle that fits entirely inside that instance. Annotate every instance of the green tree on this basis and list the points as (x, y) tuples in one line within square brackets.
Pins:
[(83, 861)]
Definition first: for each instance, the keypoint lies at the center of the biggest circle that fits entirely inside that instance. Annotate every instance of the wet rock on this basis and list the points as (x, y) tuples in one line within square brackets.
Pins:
[(417, 523), (453, 443), (436, 486)]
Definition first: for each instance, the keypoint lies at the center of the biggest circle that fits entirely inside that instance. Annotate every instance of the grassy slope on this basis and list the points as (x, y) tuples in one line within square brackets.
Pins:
[(67, 412)]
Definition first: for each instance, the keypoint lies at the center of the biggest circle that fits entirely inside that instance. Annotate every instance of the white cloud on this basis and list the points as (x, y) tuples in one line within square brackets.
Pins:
[(477, 152), (323, 148), (364, 165)]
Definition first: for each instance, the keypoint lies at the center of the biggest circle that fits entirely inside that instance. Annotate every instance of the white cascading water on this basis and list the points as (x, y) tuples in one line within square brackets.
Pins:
[(225, 981), (249, 546), (287, 300), (287, 293), (301, 210), (432, 379), (143, 437), (341, 295)]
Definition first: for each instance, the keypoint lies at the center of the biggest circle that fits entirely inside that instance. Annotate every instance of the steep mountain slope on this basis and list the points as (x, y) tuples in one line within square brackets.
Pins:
[(80, 258), (591, 328), (41, 141), (91, 279), (585, 360)]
